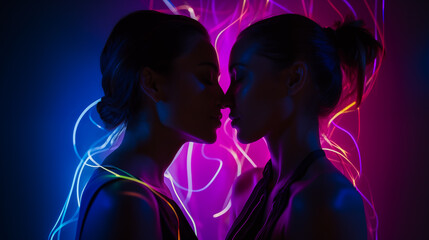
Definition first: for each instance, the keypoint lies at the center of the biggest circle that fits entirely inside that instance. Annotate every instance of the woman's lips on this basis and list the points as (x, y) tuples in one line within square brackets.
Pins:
[(217, 120)]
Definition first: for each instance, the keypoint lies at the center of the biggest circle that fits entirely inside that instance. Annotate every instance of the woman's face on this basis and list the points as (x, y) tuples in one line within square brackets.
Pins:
[(193, 96), (257, 94)]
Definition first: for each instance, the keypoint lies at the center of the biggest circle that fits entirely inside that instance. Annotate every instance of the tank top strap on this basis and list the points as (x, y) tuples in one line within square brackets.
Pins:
[(98, 180)]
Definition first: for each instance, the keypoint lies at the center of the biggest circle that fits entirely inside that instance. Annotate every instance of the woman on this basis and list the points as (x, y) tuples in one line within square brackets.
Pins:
[(286, 72), (159, 76)]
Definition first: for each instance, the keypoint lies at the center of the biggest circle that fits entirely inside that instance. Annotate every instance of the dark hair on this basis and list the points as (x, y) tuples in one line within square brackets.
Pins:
[(348, 48), (141, 39)]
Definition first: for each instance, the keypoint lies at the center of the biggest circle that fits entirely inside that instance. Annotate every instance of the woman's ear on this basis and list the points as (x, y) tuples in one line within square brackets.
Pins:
[(149, 83), (298, 75)]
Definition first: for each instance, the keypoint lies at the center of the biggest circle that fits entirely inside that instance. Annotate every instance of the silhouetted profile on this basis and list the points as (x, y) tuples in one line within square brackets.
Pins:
[(159, 76), (286, 72)]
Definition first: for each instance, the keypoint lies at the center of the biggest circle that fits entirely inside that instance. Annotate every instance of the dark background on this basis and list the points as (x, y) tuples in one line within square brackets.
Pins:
[(49, 72)]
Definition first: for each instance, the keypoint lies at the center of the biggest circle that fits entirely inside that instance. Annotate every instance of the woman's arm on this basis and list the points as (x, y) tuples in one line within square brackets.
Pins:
[(123, 210)]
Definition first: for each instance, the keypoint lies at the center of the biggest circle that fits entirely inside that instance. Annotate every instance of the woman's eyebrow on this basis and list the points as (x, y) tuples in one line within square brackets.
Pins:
[(210, 64)]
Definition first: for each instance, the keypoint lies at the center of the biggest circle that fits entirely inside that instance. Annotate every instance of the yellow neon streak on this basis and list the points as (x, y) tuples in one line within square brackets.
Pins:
[(266, 4), (332, 150), (152, 190), (223, 30), (242, 13), (341, 112), (333, 144)]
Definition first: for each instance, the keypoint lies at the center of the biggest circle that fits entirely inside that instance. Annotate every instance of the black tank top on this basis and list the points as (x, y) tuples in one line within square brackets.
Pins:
[(250, 222), (168, 220)]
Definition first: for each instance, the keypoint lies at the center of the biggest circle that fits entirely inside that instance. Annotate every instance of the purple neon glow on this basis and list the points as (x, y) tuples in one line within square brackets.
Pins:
[(224, 21), (356, 145), (201, 177)]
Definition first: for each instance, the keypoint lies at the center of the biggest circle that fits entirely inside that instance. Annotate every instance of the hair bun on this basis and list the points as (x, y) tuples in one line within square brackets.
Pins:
[(111, 115)]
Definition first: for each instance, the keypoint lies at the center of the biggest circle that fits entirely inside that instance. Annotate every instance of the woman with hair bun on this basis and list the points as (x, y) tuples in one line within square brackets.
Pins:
[(159, 76), (286, 72)]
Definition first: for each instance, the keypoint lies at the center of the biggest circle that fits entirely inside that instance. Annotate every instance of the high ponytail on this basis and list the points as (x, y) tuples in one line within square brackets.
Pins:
[(347, 49), (357, 48)]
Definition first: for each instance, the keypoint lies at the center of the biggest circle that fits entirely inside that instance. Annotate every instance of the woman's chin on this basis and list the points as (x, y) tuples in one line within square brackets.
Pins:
[(245, 138), (208, 138)]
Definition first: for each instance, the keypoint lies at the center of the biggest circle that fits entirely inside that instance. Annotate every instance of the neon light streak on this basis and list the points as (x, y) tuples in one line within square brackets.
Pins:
[(343, 156), (152, 190), (119, 130), (207, 185), (356, 145), (223, 210), (310, 15), (183, 205), (228, 201), (333, 144), (58, 229), (60, 219), (214, 12), (77, 123), (219, 25), (171, 7), (244, 153), (242, 11), (221, 32), (189, 170), (174, 159), (336, 10), (281, 7), (304, 8), (235, 156), (358, 132), (351, 8), (341, 112), (95, 123), (189, 9), (374, 212)]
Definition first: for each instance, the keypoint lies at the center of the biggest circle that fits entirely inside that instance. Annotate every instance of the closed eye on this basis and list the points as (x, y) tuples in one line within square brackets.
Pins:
[(236, 77)]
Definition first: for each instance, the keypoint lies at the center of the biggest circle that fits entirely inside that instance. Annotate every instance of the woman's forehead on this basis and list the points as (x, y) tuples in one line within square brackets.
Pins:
[(242, 52), (201, 51)]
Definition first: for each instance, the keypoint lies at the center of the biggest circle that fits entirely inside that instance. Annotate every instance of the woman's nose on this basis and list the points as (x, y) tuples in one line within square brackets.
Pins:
[(219, 96), (228, 99)]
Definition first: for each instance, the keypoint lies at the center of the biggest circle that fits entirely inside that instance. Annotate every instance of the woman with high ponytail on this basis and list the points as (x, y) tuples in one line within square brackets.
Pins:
[(287, 72), (159, 76)]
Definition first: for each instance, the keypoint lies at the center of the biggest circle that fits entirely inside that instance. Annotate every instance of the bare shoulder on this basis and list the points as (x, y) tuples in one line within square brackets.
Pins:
[(123, 210), (247, 180), (242, 188), (326, 207)]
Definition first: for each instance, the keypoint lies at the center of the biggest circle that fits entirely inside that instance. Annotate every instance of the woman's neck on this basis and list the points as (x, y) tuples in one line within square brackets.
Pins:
[(146, 151), (291, 144)]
